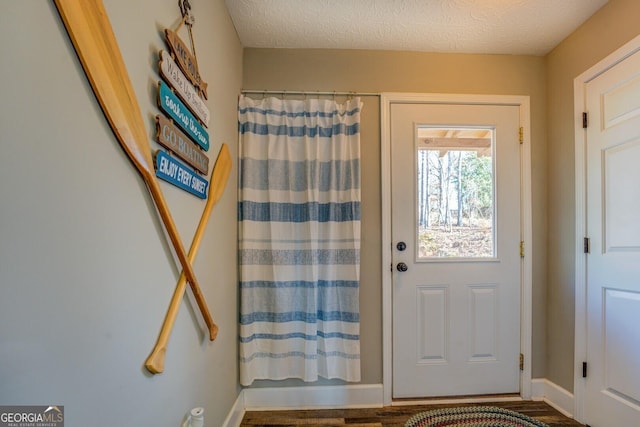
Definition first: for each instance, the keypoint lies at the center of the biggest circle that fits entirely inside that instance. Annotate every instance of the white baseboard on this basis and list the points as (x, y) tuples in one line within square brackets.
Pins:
[(316, 397), (553, 394), (234, 419), (360, 396), (455, 400)]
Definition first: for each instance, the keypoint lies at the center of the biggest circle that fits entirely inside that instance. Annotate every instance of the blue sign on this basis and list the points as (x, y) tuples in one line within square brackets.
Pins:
[(170, 104), (176, 173)]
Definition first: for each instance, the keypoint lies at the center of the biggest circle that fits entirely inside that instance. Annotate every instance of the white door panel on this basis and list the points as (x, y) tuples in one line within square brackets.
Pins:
[(613, 266), (456, 318)]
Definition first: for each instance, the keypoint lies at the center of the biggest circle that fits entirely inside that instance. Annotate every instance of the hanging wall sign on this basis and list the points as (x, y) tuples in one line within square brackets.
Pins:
[(177, 142), (174, 172), (186, 61), (171, 73), (170, 104)]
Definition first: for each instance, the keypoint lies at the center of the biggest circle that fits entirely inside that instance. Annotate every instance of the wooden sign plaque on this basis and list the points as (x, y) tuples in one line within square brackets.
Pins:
[(170, 72), (186, 61), (181, 115), (172, 138), (174, 172)]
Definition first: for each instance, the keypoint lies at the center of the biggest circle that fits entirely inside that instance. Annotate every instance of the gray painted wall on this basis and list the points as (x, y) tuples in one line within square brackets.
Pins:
[(612, 26), (378, 71), (86, 273)]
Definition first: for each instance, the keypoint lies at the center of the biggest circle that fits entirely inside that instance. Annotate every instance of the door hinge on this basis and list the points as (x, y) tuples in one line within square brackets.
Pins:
[(585, 120), (521, 135), (522, 249), (584, 369), (587, 245), (521, 362)]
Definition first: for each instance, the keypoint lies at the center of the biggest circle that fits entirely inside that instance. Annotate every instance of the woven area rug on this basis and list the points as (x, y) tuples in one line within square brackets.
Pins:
[(473, 416)]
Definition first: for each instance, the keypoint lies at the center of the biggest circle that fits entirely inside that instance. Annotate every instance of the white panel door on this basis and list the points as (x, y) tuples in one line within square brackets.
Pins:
[(612, 394), (455, 199)]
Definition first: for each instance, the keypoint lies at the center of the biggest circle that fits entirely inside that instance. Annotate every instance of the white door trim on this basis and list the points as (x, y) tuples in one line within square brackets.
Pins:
[(522, 102), (579, 85)]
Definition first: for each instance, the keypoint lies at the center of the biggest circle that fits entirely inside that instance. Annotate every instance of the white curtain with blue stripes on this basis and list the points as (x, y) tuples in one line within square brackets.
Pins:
[(299, 239)]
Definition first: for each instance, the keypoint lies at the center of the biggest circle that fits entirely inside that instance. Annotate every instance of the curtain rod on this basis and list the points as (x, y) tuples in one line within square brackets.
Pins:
[(305, 93)]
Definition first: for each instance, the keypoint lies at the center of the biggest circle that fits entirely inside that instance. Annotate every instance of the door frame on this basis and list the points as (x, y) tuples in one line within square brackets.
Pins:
[(386, 99), (580, 343)]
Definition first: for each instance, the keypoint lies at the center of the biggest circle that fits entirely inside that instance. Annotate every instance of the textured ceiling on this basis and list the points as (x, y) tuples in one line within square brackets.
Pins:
[(532, 27)]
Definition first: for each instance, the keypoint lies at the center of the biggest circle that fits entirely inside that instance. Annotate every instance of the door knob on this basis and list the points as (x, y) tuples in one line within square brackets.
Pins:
[(402, 267), (401, 246)]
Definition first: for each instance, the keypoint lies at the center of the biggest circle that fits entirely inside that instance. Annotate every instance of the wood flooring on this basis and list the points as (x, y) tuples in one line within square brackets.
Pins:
[(393, 416)]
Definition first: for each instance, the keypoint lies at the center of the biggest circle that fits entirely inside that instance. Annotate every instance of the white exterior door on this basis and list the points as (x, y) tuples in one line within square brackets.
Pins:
[(612, 393), (456, 232)]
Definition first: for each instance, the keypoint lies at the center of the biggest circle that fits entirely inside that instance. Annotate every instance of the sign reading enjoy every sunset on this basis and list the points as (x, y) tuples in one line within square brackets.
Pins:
[(174, 172)]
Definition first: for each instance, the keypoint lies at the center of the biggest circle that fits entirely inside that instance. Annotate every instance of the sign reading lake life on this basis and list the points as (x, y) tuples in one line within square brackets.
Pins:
[(174, 172), (178, 143), (186, 61), (170, 104), (170, 72)]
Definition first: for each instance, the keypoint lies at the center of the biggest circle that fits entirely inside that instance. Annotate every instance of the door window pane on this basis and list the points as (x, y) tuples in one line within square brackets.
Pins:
[(455, 192)]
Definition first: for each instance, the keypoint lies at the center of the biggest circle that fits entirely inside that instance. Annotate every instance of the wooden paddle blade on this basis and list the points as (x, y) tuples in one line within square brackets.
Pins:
[(220, 173), (219, 178), (90, 31)]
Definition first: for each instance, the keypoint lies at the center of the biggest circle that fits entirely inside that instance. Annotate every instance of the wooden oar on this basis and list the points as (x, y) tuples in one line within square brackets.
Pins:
[(88, 26), (219, 176)]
